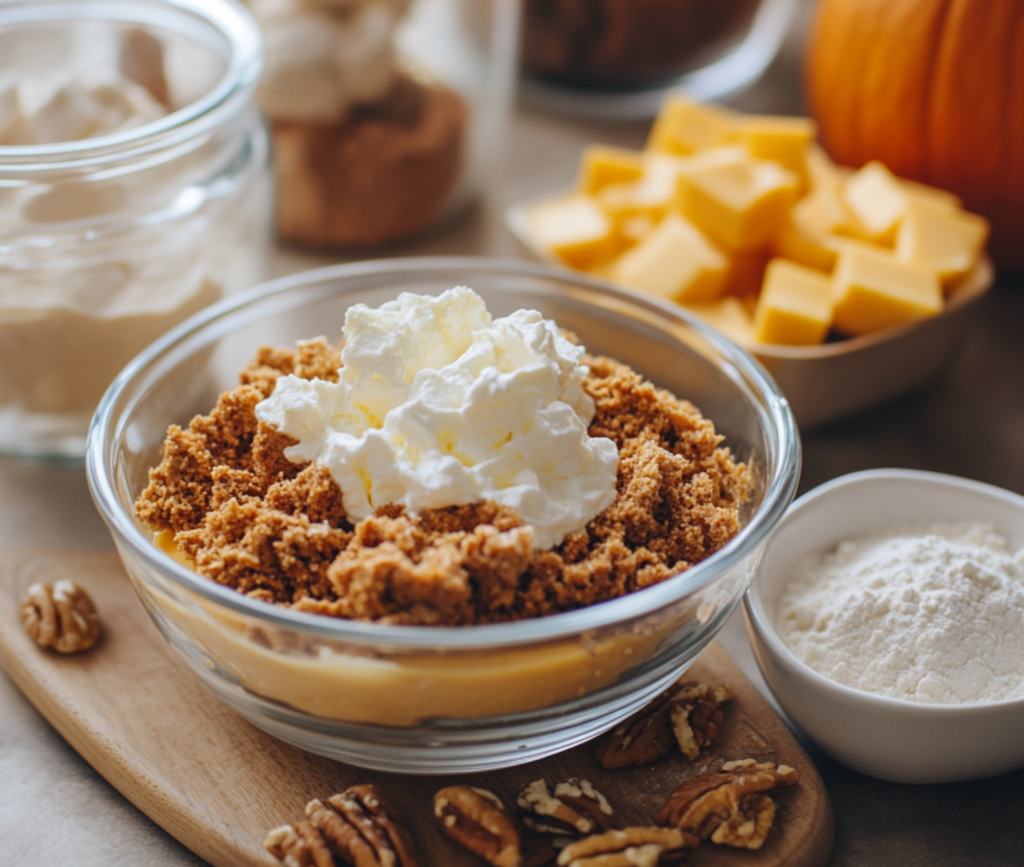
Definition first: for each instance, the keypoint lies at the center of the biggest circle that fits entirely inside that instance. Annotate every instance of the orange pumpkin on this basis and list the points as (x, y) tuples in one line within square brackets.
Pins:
[(935, 90)]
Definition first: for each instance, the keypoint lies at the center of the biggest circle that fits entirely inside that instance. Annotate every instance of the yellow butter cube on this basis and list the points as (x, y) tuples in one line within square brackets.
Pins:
[(683, 127), (602, 166), (782, 139), (806, 248), (573, 229), (808, 235), (923, 192), (822, 212), (727, 315), (655, 191), (651, 195), (675, 261), (941, 239), (637, 227), (741, 204), (822, 171), (872, 290), (878, 201), (795, 306)]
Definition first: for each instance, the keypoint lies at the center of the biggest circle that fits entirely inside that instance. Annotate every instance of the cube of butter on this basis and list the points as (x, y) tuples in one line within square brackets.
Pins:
[(683, 127), (806, 248), (603, 165), (808, 235), (573, 229), (782, 139), (878, 200), (650, 195), (923, 192), (942, 239), (821, 213), (637, 227), (741, 204), (795, 306), (675, 261), (872, 290), (822, 171), (728, 316)]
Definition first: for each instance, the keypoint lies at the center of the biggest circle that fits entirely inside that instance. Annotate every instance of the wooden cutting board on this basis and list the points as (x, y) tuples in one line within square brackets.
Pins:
[(218, 784)]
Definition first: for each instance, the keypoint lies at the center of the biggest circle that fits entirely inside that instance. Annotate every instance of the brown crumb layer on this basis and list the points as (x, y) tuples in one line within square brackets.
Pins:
[(251, 519)]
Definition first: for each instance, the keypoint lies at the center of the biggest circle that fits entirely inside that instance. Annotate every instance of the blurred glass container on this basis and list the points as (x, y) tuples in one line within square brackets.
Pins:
[(108, 241), (616, 59), (387, 115)]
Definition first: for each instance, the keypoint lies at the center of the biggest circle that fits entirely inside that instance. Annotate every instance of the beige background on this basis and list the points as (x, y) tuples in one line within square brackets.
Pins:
[(54, 809)]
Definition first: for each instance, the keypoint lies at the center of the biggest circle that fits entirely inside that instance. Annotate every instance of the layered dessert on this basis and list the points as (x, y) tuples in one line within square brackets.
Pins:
[(443, 468), (366, 150)]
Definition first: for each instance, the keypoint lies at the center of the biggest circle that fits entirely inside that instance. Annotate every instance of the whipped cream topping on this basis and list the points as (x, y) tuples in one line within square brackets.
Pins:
[(438, 405), (45, 111), (324, 56)]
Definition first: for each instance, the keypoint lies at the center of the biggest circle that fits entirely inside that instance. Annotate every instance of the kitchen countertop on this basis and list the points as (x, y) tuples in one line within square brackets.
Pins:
[(55, 809)]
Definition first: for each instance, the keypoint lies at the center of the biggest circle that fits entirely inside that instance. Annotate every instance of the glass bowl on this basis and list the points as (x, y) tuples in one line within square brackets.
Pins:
[(432, 699)]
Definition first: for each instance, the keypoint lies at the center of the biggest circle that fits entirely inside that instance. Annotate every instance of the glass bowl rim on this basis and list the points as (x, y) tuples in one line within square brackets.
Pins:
[(777, 495), (228, 95)]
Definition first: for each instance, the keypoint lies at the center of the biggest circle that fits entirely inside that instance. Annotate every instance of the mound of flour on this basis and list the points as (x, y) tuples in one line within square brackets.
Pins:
[(932, 614)]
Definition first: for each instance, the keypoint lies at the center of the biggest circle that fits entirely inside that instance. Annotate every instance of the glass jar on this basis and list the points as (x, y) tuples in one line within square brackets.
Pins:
[(108, 241), (387, 115), (616, 59)]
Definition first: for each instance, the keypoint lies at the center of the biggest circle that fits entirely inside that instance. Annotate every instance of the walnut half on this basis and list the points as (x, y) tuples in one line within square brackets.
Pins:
[(62, 617), (728, 807)]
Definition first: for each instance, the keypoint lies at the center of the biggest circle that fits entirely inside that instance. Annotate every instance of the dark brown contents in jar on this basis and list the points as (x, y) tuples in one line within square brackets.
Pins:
[(384, 173), (609, 43)]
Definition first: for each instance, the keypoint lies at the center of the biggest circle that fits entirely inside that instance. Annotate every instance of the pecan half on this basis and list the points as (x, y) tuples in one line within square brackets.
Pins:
[(62, 617), (696, 715), (630, 847), (357, 826), (728, 807), (687, 712), (476, 819), (298, 845), (574, 810), (642, 738)]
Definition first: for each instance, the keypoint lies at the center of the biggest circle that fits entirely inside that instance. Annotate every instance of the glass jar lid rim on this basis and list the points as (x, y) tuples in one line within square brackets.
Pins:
[(228, 17)]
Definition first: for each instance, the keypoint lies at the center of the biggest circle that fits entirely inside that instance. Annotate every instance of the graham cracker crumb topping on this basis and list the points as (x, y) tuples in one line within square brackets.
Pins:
[(277, 531)]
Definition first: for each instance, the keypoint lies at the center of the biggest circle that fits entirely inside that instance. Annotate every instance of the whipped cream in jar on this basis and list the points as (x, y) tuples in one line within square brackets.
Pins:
[(135, 190), (387, 116)]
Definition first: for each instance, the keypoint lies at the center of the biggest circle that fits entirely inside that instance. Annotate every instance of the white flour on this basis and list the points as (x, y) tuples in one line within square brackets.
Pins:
[(933, 614)]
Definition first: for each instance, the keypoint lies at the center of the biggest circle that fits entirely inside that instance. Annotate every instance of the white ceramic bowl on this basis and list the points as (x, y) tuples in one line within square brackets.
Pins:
[(893, 739)]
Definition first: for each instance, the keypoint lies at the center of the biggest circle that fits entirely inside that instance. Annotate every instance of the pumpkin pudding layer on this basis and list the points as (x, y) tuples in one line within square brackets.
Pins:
[(244, 515)]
